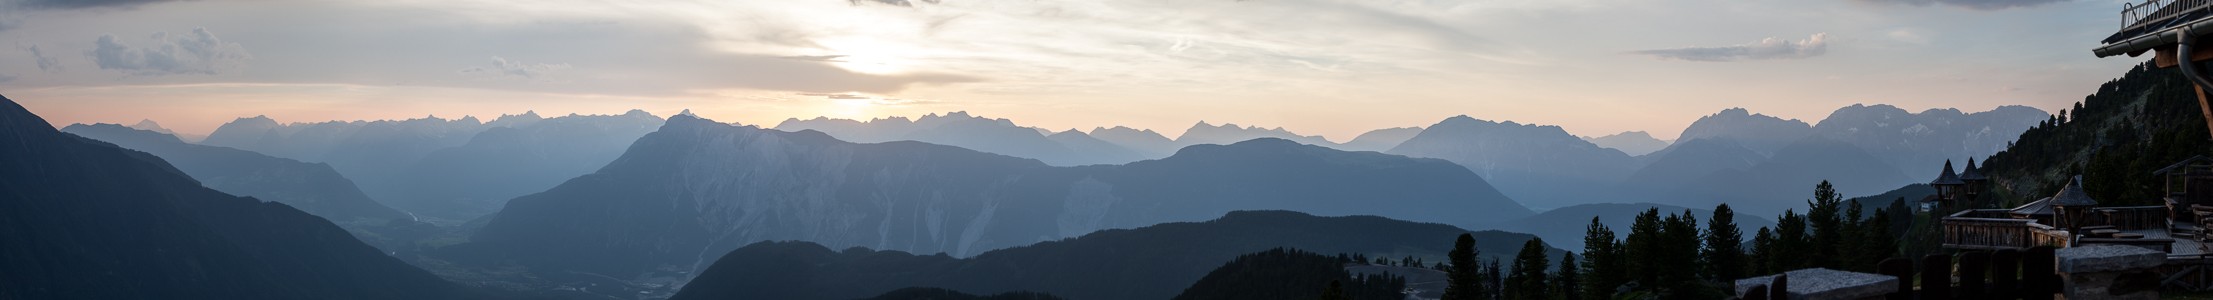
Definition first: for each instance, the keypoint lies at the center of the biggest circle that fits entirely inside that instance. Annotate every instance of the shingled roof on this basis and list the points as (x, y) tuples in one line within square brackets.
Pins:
[(1972, 173), (2072, 195), (1949, 177)]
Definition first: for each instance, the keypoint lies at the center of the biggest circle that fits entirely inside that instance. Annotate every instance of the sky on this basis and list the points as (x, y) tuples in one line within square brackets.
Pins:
[(1330, 67)]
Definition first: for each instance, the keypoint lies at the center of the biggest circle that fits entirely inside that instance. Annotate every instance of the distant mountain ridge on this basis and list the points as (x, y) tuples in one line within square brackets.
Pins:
[(1540, 165), (314, 188), (697, 188), (1151, 262), (84, 219), (999, 136), (1634, 143)]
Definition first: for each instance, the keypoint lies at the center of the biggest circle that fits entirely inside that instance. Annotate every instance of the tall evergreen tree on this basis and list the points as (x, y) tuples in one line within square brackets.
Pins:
[(1880, 243), (1566, 286), (1644, 248), (1602, 261), (1791, 243), (1724, 249), (1850, 251), (1762, 258), (1828, 226), (1678, 256), (1494, 280), (1528, 282), (1464, 281)]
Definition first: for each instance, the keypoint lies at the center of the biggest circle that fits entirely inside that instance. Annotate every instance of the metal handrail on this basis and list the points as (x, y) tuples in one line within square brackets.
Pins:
[(2136, 15)]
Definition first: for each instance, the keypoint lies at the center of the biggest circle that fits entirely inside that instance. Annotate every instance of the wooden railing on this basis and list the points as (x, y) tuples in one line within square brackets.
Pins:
[(1968, 230), (2132, 217), (2156, 11)]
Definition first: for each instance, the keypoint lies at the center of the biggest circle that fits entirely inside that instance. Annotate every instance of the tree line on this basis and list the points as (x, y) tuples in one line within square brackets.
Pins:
[(1671, 256)]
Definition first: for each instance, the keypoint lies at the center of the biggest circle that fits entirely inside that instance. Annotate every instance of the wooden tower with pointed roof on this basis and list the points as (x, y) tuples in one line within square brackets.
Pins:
[(1949, 189)]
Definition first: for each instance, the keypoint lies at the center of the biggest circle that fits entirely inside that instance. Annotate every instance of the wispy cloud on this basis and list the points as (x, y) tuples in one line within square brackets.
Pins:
[(1769, 48), (45, 63), (197, 53)]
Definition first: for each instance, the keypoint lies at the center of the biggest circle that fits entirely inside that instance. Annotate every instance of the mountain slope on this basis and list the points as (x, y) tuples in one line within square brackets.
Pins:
[(1543, 166), (1634, 143), (1761, 133), (1380, 140), (1153, 262), (696, 188), (375, 154), (83, 219), (521, 155), (1145, 142), (313, 188), (1919, 143), (1203, 133), (2143, 121)]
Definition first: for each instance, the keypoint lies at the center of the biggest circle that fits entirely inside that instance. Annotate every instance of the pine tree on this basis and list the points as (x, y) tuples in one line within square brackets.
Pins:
[(1724, 249), (1644, 248), (1790, 244), (1850, 250), (1602, 261), (1495, 281), (1335, 291), (1678, 256), (1528, 280), (1880, 244), (1566, 286), (1464, 280), (1828, 226), (1762, 258)]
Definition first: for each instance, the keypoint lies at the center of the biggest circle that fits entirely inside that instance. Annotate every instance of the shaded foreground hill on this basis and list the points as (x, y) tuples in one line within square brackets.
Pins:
[(314, 188), (696, 189), (1154, 262), (83, 219)]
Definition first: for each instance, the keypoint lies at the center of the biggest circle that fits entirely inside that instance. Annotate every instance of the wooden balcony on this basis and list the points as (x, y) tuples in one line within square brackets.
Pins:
[(1991, 229)]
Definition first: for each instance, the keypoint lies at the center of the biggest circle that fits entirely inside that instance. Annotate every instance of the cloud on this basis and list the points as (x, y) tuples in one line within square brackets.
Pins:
[(79, 4), (45, 63), (820, 58), (902, 3), (6, 78), (864, 99), (503, 67), (835, 96), (198, 53), (1769, 48), (1969, 4), (10, 24)]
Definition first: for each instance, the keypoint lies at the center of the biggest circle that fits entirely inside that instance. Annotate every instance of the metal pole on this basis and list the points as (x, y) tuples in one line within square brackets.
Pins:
[(2189, 70)]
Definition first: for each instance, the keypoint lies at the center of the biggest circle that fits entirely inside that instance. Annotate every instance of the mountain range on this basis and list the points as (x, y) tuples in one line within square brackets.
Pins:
[(1543, 166), (1152, 262), (697, 188), (312, 188), (1634, 143), (85, 219)]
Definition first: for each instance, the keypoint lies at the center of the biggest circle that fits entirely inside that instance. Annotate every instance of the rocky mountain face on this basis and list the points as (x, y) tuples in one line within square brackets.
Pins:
[(1152, 262), (84, 219), (696, 188), (959, 129), (1542, 166), (313, 188), (1634, 143), (1863, 150), (1760, 133)]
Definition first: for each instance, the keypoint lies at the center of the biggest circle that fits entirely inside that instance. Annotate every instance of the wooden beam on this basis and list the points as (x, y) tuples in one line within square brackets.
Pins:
[(2204, 108)]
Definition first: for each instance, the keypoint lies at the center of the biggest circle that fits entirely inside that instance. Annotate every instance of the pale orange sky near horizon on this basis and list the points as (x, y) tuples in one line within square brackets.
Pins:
[(1335, 68)]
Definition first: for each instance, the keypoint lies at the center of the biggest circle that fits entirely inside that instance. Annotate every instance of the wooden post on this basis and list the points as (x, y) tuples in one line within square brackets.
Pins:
[(1903, 269), (1972, 266), (2203, 107), (2005, 272), (1936, 277), (2040, 273)]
